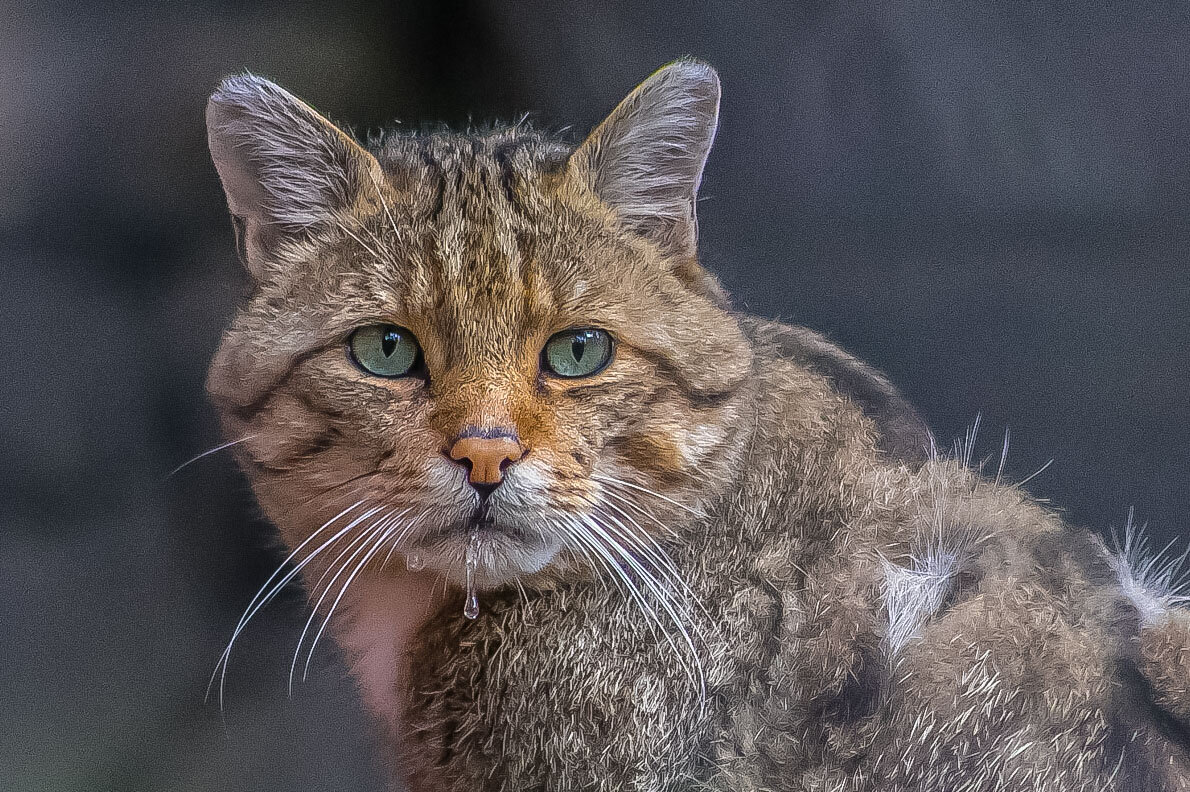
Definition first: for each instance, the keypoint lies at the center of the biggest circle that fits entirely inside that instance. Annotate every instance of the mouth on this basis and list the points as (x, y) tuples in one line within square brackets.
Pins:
[(484, 522), (487, 525), (507, 547)]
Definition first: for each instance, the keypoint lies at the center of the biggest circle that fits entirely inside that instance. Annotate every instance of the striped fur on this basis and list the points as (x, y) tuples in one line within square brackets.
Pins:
[(728, 562)]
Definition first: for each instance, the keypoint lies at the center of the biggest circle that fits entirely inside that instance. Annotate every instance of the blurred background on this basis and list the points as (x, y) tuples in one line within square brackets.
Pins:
[(989, 201)]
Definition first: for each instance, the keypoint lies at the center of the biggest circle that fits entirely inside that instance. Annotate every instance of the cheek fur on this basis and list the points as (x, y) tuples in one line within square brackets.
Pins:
[(323, 425), (699, 441), (676, 444), (285, 431), (529, 485), (654, 452)]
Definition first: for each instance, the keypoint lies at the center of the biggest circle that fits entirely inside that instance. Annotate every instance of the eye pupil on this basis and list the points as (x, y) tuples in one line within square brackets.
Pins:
[(385, 350), (577, 353)]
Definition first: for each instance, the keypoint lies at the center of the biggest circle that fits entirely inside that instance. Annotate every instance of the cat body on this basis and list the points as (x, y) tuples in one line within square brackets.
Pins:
[(868, 626), (726, 557)]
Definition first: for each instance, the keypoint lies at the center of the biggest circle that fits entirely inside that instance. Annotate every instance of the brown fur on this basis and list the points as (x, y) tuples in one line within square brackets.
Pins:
[(865, 615)]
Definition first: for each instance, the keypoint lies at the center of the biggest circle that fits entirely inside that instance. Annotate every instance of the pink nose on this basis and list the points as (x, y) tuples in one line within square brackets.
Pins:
[(487, 457)]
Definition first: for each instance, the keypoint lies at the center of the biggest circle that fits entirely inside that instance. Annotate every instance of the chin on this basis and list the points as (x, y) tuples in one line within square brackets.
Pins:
[(503, 553)]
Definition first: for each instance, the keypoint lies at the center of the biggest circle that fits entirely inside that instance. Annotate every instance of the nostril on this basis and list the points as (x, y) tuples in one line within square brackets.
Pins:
[(486, 458)]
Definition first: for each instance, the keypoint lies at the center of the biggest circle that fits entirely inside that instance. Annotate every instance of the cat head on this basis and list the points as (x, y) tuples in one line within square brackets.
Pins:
[(489, 339)]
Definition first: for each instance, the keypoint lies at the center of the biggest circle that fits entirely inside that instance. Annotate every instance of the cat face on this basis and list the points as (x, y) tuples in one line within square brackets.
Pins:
[(488, 341)]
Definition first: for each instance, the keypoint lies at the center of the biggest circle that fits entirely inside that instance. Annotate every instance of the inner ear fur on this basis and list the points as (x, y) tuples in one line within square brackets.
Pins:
[(285, 169), (645, 160)]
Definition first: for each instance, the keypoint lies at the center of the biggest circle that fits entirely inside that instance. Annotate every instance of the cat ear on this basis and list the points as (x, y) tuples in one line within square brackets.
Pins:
[(645, 160), (285, 169)]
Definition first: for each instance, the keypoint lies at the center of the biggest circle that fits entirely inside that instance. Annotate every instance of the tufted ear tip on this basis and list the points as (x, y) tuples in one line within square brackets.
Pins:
[(235, 88), (700, 77), (244, 101)]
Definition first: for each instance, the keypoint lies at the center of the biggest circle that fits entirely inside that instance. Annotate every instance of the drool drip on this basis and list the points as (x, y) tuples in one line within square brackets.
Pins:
[(471, 559)]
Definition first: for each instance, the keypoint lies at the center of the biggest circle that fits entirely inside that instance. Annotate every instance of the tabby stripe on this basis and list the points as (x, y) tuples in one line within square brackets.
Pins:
[(695, 396)]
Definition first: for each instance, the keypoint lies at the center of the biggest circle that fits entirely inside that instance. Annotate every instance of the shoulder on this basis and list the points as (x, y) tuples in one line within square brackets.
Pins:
[(901, 432)]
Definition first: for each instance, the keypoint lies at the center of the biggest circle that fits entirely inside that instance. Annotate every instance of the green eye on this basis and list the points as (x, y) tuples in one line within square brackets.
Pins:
[(577, 353), (385, 350)]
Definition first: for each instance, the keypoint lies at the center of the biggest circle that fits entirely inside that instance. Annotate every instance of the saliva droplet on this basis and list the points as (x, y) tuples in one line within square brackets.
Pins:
[(414, 562), (471, 559)]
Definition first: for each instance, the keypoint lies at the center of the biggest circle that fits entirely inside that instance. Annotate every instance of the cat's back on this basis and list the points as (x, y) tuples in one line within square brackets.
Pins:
[(936, 624)]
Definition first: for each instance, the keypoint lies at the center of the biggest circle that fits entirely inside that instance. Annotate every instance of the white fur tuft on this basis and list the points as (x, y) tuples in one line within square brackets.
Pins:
[(1154, 581), (913, 595)]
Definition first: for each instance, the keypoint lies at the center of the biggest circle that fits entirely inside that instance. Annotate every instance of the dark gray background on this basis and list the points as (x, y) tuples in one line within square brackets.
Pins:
[(989, 201)]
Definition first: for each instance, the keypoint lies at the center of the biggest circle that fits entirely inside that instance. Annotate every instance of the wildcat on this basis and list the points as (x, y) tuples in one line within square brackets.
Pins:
[(577, 525)]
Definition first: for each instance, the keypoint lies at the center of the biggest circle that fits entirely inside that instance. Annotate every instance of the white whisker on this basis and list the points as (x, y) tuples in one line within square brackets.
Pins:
[(602, 477), (260, 599), (350, 545), (658, 590), (376, 547), (387, 213), (404, 532), (565, 528), (630, 502), (653, 551), (624, 583), (207, 453), (1034, 474), (360, 543), (361, 242), (1003, 457)]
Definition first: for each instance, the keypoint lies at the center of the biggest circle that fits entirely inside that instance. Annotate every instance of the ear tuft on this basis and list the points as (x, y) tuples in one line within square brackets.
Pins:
[(284, 167), (646, 159)]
